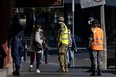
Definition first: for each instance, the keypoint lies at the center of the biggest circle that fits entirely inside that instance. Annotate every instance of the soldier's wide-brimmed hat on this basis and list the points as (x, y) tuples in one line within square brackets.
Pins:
[(61, 19)]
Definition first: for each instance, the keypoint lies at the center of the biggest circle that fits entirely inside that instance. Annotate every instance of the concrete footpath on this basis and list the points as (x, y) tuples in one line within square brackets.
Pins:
[(81, 65)]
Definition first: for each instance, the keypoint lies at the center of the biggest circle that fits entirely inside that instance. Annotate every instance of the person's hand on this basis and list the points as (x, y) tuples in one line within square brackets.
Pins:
[(58, 44), (75, 49)]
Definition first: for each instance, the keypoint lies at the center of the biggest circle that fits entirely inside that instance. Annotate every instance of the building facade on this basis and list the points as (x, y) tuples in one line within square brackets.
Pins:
[(81, 18)]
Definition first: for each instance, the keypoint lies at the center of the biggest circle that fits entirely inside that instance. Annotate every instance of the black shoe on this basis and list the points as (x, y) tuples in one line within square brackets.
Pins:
[(68, 65), (99, 73), (93, 74), (16, 73), (90, 70), (30, 69)]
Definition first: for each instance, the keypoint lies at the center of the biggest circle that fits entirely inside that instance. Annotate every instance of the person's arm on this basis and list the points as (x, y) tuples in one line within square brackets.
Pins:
[(74, 44), (60, 35)]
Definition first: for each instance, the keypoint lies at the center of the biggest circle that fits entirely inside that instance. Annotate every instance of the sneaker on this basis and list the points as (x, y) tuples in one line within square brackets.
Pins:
[(38, 71)]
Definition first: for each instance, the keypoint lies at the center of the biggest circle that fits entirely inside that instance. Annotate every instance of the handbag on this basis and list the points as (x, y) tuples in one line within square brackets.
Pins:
[(45, 46), (37, 46)]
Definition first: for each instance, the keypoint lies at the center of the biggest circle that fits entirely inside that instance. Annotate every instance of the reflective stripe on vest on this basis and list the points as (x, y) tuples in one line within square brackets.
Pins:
[(98, 39), (65, 35), (97, 44)]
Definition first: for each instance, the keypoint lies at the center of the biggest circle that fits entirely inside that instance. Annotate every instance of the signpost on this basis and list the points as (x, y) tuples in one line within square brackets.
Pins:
[(73, 10), (93, 3)]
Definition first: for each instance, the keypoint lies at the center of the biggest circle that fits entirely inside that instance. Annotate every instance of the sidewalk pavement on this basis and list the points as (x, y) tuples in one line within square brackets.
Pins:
[(81, 65)]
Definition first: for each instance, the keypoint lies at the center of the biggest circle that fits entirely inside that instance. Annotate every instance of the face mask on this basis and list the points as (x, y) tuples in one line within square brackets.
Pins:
[(59, 23), (89, 22), (39, 30)]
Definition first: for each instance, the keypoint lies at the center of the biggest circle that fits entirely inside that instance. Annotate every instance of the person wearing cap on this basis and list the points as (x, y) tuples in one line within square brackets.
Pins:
[(96, 47), (70, 48), (62, 44), (16, 34), (91, 23)]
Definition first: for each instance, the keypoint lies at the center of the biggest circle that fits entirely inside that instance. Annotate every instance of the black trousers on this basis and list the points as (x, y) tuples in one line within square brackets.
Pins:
[(38, 58), (1, 63)]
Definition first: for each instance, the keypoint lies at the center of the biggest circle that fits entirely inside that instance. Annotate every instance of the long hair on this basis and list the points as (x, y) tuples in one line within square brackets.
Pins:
[(38, 27)]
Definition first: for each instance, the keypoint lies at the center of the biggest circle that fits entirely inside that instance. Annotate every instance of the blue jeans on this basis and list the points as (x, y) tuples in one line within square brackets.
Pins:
[(70, 55), (42, 53)]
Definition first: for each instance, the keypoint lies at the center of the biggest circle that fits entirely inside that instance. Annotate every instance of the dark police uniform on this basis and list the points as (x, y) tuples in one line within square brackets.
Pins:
[(16, 42)]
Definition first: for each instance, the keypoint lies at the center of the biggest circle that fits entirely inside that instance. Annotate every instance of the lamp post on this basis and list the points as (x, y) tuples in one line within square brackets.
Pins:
[(73, 9), (102, 12)]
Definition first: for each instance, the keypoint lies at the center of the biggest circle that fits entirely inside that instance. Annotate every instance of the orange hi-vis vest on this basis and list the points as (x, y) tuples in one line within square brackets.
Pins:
[(97, 39)]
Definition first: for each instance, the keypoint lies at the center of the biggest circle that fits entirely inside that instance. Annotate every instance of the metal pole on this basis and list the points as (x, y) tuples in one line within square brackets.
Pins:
[(105, 44), (73, 9)]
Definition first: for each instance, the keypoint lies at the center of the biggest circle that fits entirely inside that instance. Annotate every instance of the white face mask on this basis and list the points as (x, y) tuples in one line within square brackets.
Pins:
[(59, 23), (39, 30), (89, 22)]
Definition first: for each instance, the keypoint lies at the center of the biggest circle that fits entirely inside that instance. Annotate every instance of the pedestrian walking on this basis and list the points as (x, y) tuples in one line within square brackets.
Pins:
[(70, 54), (32, 53), (62, 45), (16, 42), (96, 46), (36, 47)]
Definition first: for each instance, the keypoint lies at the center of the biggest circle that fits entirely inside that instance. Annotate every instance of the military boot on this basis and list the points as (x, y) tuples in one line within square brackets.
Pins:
[(66, 68), (94, 73), (99, 73), (62, 69)]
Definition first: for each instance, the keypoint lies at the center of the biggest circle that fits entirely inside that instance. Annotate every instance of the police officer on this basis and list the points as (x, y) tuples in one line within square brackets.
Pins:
[(62, 45), (96, 46), (16, 42)]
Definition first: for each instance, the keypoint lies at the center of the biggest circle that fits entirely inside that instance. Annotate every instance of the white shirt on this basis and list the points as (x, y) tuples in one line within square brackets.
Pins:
[(38, 37)]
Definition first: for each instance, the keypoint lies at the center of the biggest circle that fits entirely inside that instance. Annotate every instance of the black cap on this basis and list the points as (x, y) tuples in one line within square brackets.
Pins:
[(91, 19)]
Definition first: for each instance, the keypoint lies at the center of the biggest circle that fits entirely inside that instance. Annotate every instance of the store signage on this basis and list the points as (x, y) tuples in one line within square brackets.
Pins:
[(38, 3)]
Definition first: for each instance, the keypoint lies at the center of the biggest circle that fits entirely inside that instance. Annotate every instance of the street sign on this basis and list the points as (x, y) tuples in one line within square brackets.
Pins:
[(38, 3), (91, 3)]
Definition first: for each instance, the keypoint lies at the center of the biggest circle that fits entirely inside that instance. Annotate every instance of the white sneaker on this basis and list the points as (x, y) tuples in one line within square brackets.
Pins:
[(38, 71)]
